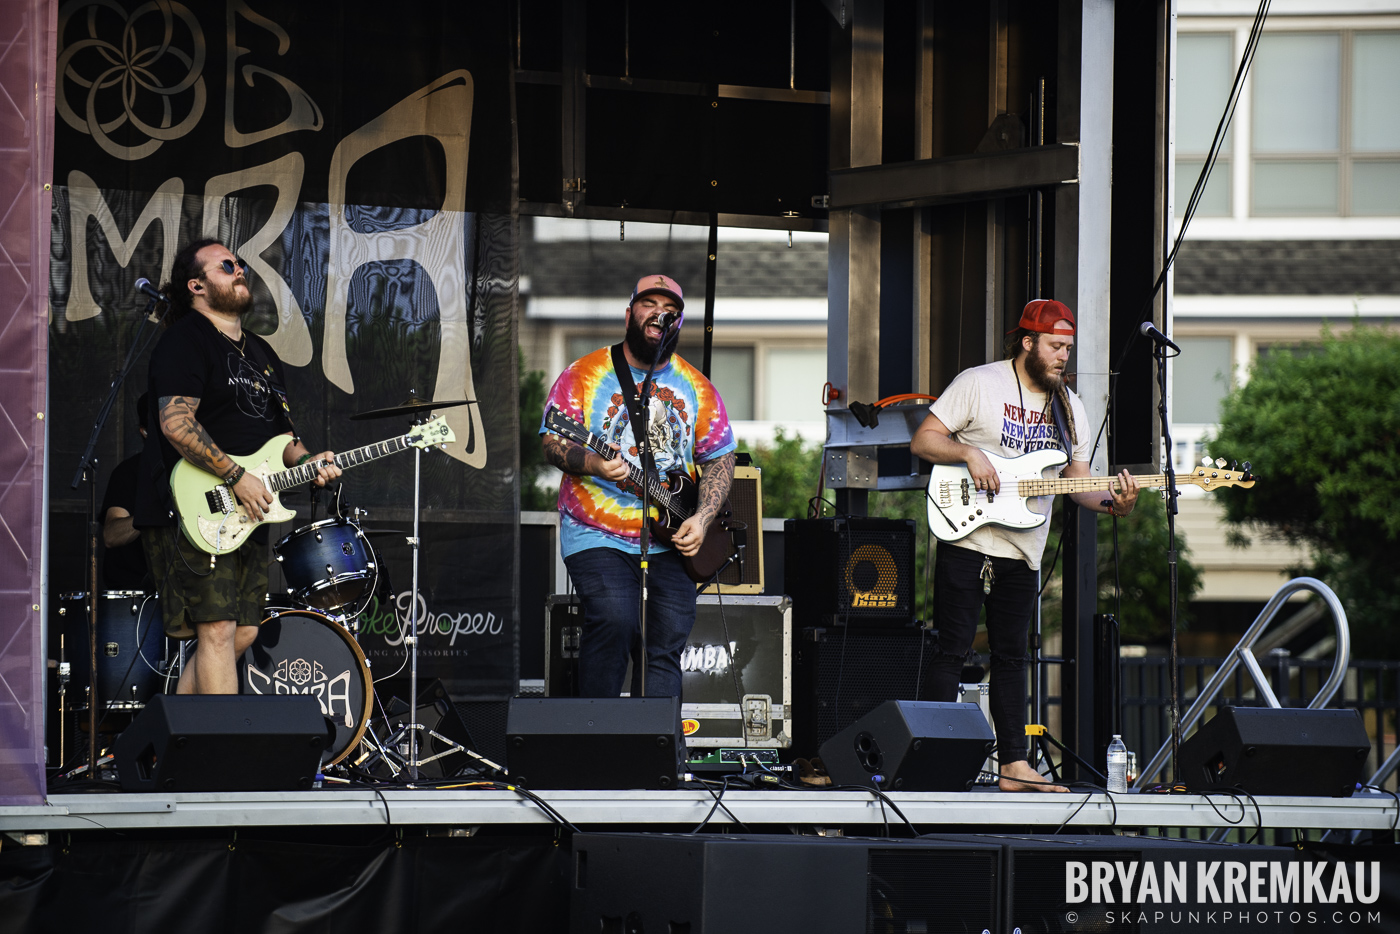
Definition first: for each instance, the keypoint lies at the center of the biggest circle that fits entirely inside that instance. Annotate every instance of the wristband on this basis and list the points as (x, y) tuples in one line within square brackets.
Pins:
[(303, 459), (234, 477)]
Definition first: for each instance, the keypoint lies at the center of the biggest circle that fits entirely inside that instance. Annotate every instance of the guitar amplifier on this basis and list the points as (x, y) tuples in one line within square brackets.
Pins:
[(746, 509), (849, 570), (740, 639)]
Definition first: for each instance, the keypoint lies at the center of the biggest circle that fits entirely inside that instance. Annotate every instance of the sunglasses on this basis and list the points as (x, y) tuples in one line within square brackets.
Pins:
[(229, 265)]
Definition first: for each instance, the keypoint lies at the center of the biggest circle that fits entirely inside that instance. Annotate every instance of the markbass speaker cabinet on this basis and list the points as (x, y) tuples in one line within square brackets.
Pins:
[(840, 675), (746, 522), (594, 742), (911, 746), (235, 742), (1277, 751), (849, 570), (723, 883)]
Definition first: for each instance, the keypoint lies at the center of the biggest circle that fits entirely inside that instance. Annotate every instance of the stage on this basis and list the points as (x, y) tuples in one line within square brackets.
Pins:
[(686, 808)]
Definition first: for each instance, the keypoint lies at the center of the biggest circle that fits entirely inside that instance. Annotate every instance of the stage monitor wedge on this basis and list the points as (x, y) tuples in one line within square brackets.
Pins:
[(911, 746), (234, 742), (1277, 751), (594, 742)]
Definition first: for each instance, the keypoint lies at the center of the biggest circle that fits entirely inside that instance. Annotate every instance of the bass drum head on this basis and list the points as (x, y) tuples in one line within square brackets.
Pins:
[(301, 652)]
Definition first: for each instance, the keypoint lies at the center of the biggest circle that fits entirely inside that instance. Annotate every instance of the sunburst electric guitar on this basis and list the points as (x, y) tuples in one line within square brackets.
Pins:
[(216, 522), (956, 508), (675, 501)]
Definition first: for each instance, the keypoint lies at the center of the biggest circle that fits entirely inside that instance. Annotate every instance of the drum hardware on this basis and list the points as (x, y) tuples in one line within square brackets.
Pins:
[(420, 409)]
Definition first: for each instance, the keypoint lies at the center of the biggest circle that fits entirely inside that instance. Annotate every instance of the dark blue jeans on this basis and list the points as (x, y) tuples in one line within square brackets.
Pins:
[(958, 596), (609, 584)]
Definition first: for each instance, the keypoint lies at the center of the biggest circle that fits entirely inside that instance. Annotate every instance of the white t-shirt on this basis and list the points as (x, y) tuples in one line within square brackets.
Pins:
[(981, 407)]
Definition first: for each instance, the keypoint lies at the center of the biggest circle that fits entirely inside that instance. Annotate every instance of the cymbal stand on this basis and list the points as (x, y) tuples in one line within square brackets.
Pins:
[(412, 728)]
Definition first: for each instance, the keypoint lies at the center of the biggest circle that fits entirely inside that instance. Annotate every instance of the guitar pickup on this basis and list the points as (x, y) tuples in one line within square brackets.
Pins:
[(966, 498), (221, 500)]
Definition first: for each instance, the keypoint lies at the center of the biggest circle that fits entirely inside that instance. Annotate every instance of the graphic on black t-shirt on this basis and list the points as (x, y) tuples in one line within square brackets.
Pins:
[(251, 391)]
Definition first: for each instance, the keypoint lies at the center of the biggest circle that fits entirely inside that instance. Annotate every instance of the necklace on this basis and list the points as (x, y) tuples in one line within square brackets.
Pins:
[(238, 345)]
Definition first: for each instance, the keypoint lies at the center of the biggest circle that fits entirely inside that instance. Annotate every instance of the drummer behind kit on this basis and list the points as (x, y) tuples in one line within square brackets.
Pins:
[(215, 522)]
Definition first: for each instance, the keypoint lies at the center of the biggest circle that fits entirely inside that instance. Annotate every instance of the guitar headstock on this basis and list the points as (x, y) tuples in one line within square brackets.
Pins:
[(431, 434), (1213, 474), (559, 423)]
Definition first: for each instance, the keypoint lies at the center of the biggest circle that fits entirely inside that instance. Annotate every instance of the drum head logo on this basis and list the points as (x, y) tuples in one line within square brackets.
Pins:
[(303, 676)]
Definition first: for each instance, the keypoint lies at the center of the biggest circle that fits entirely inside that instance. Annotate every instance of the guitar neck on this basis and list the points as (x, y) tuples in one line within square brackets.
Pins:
[(659, 493), (1085, 484), (305, 473)]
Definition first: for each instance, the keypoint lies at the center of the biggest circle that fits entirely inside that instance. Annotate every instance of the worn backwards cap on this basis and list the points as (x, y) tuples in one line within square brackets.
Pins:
[(1046, 316), (647, 285)]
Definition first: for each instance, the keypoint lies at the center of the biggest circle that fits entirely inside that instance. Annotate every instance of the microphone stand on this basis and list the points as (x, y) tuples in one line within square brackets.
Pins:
[(1159, 353), (649, 475), (87, 471)]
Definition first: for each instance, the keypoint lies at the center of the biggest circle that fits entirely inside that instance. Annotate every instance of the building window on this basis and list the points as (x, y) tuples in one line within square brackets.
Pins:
[(1201, 377), (1205, 69), (793, 386), (1324, 138), (731, 368)]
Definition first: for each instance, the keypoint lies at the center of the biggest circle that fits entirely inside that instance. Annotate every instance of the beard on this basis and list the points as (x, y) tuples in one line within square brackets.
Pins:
[(644, 350), (227, 300), (1040, 373)]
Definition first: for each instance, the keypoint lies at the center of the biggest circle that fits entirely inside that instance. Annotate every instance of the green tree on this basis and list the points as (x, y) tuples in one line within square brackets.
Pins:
[(791, 470), (1144, 610), (532, 394), (1322, 429)]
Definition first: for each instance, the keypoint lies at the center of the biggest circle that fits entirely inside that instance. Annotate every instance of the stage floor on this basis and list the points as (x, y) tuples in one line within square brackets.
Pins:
[(643, 810)]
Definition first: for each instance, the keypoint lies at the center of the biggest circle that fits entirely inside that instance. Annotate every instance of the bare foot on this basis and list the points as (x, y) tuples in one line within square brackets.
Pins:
[(1019, 776)]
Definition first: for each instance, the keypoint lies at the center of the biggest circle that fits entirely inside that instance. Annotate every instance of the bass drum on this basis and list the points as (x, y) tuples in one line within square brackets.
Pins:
[(301, 652)]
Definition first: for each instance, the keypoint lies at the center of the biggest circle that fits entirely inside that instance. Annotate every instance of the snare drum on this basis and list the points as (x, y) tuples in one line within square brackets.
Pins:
[(301, 652), (131, 654), (329, 565)]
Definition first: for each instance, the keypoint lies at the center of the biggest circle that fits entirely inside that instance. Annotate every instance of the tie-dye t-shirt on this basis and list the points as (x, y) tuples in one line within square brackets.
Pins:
[(688, 426)]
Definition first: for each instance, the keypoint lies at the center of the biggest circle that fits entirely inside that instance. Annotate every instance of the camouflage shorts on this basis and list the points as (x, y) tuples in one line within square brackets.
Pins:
[(192, 592)]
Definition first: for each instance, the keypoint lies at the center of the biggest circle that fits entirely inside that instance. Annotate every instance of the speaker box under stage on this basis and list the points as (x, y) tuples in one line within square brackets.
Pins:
[(224, 743), (1277, 751), (746, 509), (913, 746), (724, 883), (594, 742), (849, 570)]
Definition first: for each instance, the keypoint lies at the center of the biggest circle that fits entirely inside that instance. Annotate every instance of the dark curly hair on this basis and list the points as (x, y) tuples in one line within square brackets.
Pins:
[(185, 268)]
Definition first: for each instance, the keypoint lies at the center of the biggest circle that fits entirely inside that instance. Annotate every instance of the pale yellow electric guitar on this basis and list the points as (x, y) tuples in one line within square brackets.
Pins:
[(213, 519)]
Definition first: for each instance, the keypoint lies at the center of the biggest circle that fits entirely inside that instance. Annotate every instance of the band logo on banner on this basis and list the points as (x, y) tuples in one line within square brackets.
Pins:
[(365, 177)]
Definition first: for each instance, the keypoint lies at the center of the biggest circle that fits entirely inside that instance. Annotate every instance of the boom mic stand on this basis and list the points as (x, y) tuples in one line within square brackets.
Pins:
[(87, 470)]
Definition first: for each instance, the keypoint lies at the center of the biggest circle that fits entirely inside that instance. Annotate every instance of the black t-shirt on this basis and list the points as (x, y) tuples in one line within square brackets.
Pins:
[(123, 567), (242, 400)]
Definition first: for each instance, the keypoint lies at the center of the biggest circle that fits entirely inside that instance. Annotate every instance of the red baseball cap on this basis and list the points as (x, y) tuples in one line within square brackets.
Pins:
[(647, 285), (1046, 316)]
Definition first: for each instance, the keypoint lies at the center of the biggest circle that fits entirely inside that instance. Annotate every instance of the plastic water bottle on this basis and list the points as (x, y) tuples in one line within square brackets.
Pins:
[(1117, 766)]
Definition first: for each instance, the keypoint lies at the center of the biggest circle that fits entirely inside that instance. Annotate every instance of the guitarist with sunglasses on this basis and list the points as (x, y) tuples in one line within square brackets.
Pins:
[(1012, 407), (219, 392), (600, 506)]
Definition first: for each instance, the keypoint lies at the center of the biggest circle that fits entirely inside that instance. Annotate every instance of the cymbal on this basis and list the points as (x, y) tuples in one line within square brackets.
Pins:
[(411, 406), (366, 531)]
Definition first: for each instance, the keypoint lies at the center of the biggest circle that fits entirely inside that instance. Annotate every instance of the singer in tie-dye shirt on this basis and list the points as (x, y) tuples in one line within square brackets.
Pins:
[(600, 508)]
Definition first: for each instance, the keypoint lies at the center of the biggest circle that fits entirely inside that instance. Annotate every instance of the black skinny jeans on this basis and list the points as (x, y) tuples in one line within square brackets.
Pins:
[(958, 596)]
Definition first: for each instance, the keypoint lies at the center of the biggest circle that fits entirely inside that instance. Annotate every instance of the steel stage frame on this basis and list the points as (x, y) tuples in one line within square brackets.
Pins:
[(661, 810)]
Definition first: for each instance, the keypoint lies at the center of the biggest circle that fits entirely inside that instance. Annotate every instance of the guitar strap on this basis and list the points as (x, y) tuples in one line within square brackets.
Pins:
[(634, 404)]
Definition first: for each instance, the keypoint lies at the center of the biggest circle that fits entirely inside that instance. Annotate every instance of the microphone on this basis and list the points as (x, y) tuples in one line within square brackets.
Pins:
[(1147, 330), (666, 319), (144, 285)]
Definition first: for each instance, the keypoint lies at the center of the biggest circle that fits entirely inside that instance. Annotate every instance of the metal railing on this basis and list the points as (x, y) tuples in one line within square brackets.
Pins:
[(1242, 655)]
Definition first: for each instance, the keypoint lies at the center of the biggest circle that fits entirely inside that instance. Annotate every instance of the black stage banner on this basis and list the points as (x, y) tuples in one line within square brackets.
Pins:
[(359, 156)]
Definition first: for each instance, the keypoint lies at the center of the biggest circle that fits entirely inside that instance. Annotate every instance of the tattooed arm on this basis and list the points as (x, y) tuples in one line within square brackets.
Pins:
[(576, 459), (192, 442), (714, 490)]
